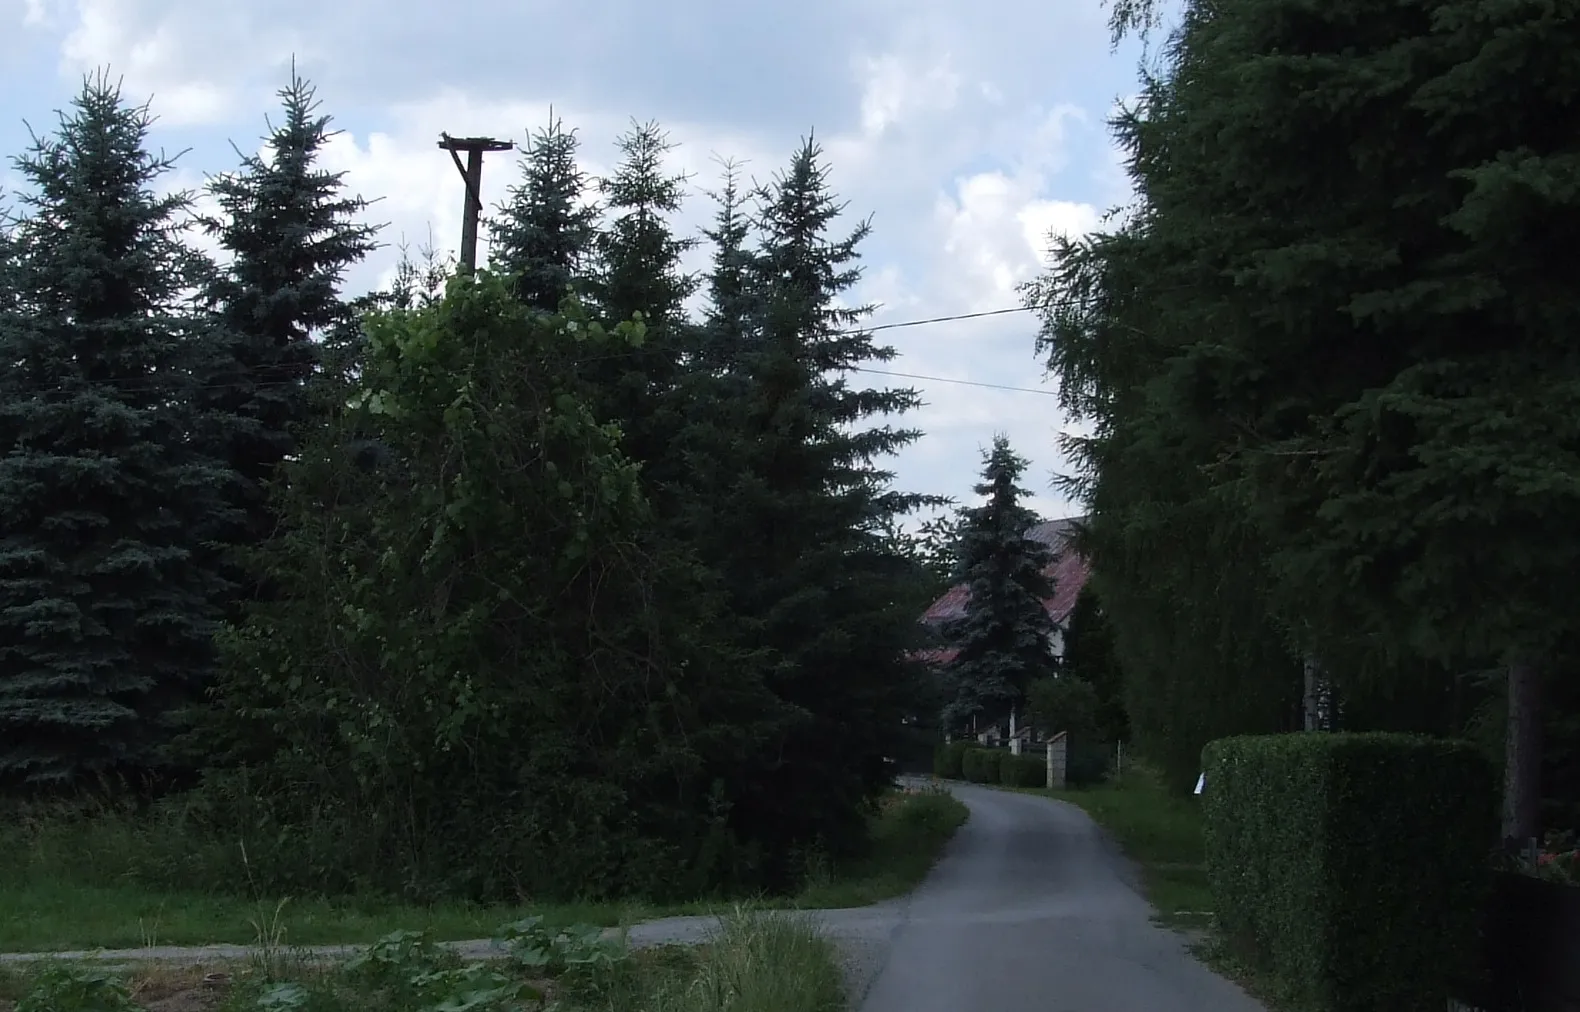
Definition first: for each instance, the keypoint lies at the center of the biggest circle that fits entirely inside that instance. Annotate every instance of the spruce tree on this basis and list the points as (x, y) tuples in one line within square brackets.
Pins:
[(544, 235), (105, 610), (289, 230), (1335, 427), (1004, 641), (637, 271), (799, 531), (729, 279)]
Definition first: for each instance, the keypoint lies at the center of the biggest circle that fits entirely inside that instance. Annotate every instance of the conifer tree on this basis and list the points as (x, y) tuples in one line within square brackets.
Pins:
[(1003, 643), (637, 271), (105, 610), (799, 532), (289, 230), (544, 234), (729, 278)]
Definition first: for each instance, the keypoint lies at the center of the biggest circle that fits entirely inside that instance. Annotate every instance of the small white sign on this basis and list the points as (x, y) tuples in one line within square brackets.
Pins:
[(1201, 782)]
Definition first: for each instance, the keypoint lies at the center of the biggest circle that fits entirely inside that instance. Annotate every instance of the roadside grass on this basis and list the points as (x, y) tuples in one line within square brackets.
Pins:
[(908, 836), (1161, 833), (755, 963), (81, 885)]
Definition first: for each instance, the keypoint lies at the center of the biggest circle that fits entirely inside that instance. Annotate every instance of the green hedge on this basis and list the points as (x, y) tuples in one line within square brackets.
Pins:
[(1087, 764), (1350, 866), (948, 758), (1023, 771), (981, 765)]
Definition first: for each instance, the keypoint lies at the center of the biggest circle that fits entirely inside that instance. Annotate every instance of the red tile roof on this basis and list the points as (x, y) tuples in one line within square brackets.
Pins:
[(1068, 570)]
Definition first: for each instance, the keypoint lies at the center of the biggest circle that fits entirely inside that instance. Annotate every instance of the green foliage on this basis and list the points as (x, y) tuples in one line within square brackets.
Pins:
[(544, 233), (1067, 704), (290, 237), (497, 707), (1003, 642), (797, 522), (1023, 771), (67, 988), (948, 758), (981, 765), (1351, 866), (1089, 656), (1087, 763), (107, 597), (1334, 428)]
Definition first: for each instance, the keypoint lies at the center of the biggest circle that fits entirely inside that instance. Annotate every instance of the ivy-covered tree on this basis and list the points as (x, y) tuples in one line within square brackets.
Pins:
[(290, 233), (545, 233), (106, 607), (475, 662), (1004, 641)]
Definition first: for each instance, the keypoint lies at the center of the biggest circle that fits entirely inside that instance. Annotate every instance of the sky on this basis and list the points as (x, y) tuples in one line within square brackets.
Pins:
[(967, 132)]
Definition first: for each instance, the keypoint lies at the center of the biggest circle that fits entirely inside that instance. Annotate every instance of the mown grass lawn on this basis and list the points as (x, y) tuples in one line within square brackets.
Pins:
[(55, 902)]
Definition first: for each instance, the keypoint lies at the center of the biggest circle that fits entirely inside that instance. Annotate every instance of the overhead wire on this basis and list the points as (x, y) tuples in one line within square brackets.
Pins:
[(155, 384)]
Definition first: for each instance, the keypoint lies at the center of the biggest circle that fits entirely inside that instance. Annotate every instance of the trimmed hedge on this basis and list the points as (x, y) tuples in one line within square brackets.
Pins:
[(1087, 764), (948, 758), (1351, 866), (1023, 771), (981, 765)]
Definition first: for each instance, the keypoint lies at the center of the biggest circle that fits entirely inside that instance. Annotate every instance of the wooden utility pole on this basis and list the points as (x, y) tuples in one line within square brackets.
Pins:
[(472, 175)]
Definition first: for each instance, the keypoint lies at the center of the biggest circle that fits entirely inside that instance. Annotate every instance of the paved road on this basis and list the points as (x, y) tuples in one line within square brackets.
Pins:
[(1030, 910)]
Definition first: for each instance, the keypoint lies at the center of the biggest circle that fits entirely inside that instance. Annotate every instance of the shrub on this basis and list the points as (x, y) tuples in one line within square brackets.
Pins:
[(1023, 771), (1087, 764), (947, 759), (1350, 866), (981, 765)]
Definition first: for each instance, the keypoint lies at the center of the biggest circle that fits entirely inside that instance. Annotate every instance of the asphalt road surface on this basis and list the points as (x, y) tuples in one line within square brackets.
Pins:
[(1032, 908)]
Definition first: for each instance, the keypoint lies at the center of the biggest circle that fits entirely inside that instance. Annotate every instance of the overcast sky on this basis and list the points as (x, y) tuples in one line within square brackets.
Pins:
[(967, 130)]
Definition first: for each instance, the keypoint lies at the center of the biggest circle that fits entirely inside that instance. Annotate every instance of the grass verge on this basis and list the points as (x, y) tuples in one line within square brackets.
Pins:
[(1162, 833), (75, 886), (908, 836), (1159, 831), (756, 963)]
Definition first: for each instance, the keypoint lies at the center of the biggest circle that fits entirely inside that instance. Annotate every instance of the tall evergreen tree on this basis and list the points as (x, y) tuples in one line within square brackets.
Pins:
[(637, 271), (800, 531), (544, 234), (290, 233), (1004, 642), (1363, 388), (729, 279), (105, 618)]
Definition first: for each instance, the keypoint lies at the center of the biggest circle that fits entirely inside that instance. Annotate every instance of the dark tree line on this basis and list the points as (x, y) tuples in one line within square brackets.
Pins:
[(1329, 358), (518, 583)]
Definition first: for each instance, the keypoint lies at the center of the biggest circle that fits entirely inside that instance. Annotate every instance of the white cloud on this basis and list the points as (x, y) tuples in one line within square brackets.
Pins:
[(967, 133), (896, 90), (198, 69)]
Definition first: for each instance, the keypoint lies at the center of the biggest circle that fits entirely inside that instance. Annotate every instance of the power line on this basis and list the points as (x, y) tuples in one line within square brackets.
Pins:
[(151, 383), (945, 319), (961, 382)]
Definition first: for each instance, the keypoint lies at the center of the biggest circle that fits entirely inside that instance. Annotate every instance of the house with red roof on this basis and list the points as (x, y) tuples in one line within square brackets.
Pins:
[(1068, 570)]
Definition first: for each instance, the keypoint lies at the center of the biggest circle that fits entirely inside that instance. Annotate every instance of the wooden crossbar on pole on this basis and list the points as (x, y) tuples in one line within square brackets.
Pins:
[(472, 176)]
